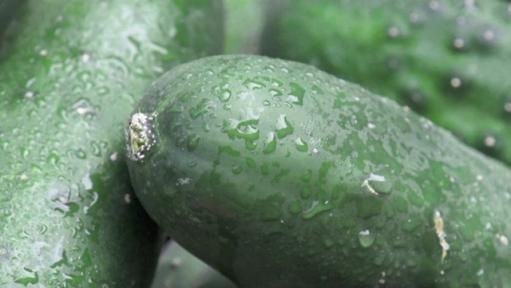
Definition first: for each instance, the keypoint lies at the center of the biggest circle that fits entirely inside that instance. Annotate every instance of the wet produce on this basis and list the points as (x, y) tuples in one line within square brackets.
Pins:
[(70, 75), (445, 59), (280, 175)]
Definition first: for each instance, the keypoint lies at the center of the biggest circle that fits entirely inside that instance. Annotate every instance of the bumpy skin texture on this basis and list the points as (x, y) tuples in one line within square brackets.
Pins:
[(178, 268), (281, 175), (445, 59), (70, 77)]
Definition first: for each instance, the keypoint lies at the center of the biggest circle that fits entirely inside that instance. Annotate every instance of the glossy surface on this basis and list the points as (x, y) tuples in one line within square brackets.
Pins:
[(281, 175), (70, 74), (177, 268), (445, 59)]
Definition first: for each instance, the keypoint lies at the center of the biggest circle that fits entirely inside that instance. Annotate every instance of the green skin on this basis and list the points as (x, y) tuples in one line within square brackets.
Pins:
[(271, 171), (448, 62), (70, 77), (178, 268)]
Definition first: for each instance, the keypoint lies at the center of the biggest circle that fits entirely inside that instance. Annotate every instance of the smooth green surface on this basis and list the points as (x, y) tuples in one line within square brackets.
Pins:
[(70, 76), (177, 268), (281, 175), (448, 60)]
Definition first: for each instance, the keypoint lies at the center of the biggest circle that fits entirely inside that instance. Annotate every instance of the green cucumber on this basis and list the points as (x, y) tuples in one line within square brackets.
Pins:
[(280, 175), (70, 76), (445, 59), (178, 268)]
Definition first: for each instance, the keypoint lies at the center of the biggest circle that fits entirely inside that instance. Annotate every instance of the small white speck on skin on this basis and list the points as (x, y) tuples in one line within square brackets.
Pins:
[(489, 35), (183, 181), (479, 177), (371, 126), (440, 232), (315, 151), (114, 156), (176, 262), (455, 82), (393, 32), (470, 4), (85, 57), (84, 110), (459, 43), (480, 272), (507, 107), (490, 141), (488, 226), (434, 5), (502, 239), (442, 272), (127, 198), (414, 17), (29, 95), (43, 52), (23, 177)]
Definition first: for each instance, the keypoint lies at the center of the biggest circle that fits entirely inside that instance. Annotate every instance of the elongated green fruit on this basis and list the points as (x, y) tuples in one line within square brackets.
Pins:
[(281, 175), (445, 59), (178, 268), (74, 69)]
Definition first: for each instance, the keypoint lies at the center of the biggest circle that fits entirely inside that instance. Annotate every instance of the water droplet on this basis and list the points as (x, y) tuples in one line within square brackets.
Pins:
[(225, 95), (316, 208), (275, 92), (270, 144), (80, 153), (237, 169), (503, 240), (393, 32), (87, 182), (283, 126), (192, 142), (296, 95), (32, 278), (253, 84), (29, 94), (366, 238), (458, 43), (301, 145)]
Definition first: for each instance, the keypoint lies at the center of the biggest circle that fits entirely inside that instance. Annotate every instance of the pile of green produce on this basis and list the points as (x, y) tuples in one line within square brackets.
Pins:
[(448, 60), (122, 126)]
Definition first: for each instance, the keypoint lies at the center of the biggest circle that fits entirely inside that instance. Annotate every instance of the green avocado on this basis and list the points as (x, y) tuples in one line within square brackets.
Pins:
[(70, 76), (448, 60), (280, 175)]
